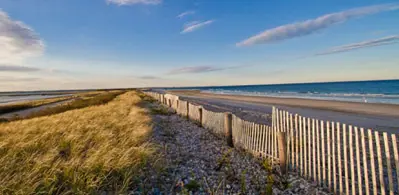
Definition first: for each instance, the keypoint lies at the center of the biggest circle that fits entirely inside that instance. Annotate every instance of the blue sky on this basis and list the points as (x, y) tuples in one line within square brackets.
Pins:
[(70, 44)]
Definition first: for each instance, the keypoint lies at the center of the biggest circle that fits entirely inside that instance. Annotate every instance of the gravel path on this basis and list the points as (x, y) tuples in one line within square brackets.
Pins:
[(194, 161)]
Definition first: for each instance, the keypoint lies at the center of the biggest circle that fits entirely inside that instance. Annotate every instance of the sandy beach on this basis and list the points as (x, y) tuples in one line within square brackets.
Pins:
[(383, 117)]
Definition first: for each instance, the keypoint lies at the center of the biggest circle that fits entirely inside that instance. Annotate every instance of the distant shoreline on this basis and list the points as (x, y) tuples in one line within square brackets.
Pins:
[(378, 109), (18, 98)]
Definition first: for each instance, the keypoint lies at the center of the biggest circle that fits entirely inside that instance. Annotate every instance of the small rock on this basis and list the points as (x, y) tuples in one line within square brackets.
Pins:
[(156, 191)]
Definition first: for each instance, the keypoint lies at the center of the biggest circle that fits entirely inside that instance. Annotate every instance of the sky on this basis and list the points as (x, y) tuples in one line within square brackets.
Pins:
[(75, 44)]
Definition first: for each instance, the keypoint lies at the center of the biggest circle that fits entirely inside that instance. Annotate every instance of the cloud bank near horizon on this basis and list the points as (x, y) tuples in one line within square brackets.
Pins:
[(311, 26), (8, 68), (360, 45), (200, 69), (17, 41)]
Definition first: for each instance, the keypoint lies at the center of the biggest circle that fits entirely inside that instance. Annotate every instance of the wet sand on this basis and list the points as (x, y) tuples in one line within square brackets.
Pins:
[(384, 117)]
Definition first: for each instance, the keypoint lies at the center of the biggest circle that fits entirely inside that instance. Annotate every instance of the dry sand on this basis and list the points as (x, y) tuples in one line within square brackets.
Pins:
[(368, 115)]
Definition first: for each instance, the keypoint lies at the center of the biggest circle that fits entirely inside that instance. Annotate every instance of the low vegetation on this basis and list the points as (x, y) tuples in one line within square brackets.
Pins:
[(29, 104), (91, 150), (80, 102), (77, 101)]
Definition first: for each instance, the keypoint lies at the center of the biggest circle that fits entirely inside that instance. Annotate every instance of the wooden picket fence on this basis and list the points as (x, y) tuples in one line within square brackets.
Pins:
[(342, 158)]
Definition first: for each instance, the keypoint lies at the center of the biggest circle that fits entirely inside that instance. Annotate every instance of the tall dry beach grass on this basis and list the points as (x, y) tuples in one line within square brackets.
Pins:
[(84, 151)]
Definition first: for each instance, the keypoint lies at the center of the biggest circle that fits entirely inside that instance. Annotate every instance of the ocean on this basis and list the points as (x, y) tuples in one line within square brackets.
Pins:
[(383, 91)]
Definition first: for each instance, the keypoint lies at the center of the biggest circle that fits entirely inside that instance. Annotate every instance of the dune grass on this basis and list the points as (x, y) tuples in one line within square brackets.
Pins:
[(82, 151)]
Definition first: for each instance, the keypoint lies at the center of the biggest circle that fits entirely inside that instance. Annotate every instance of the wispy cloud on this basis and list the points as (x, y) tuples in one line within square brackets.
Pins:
[(7, 68), (307, 27), (193, 26), (17, 79), (133, 2), (360, 45), (148, 77), (200, 69), (17, 41), (186, 14)]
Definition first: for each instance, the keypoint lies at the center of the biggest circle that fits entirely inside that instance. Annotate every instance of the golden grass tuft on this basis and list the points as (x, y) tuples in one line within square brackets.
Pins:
[(84, 151)]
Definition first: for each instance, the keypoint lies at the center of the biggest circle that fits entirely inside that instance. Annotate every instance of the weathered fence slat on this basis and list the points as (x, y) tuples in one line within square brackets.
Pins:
[(344, 137), (253, 136), (388, 160), (288, 131), (268, 142), (276, 144), (359, 170), (372, 162), (314, 149), (244, 135), (323, 158), (258, 140), (396, 156), (301, 146), (339, 158), (251, 131), (296, 143), (293, 141), (334, 176), (379, 156), (263, 150), (351, 159), (273, 129), (328, 131), (365, 169), (319, 151), (309, 150), (305, 148)]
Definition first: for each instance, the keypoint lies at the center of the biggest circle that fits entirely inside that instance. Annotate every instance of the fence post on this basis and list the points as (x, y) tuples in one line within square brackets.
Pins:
[(282, 146), (200, 116), (228, 128), (170, 103), (188, 110)]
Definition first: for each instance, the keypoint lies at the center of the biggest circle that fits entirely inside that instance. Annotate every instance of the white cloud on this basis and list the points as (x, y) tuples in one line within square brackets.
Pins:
[(193, 26), (132, 2), (313, 25), (360, 45), (186, 14), (17, 41)]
